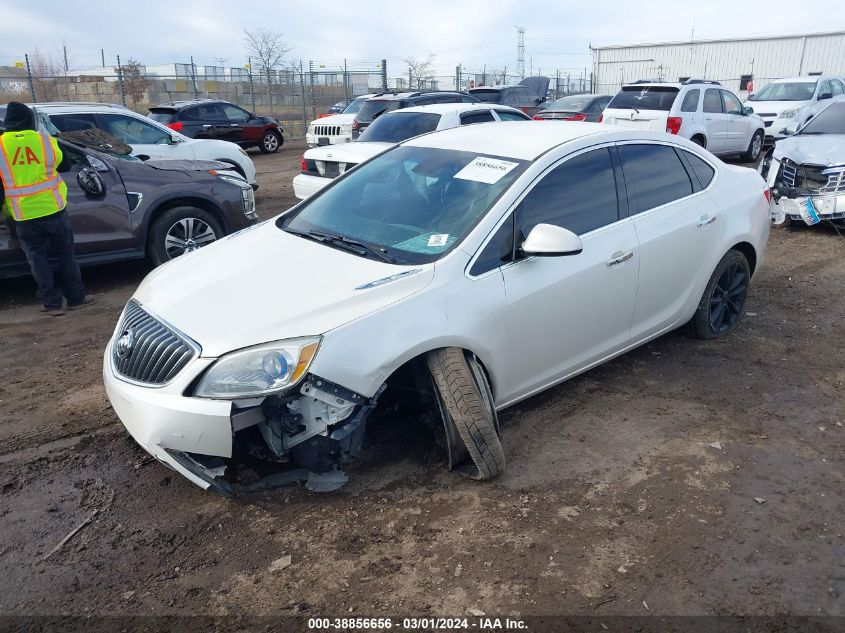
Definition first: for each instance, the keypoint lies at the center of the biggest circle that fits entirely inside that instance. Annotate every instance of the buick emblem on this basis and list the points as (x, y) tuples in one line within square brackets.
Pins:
[(125, 344)]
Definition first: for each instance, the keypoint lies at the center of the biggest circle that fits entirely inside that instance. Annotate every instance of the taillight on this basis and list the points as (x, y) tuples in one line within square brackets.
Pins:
[(601, 117), (176, 126), (767, 194), (576, 117), (356, 124), (303, 165), (673, 124), (537, 117)]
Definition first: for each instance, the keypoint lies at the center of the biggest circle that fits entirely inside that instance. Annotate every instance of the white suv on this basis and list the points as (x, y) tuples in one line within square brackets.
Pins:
[(148, 138), (335, 129), (793, 102), (702, 111)]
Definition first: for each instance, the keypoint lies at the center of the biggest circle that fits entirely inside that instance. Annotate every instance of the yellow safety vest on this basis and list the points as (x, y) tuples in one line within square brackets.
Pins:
[(28, 162)]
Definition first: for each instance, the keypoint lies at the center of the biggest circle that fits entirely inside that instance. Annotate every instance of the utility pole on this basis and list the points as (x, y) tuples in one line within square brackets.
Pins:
[(520, 52), (302, 90), (120, 82), (29, 77), (384, 75), (458, 77), (557, 84), (484, 76), (64, 50), (251, 85), (103, 57), (193, 76), (311, 81), (345, 81)]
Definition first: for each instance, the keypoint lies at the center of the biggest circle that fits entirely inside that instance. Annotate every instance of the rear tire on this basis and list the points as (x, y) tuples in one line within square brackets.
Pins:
[(723, 303), (180, 230), (755, 148), (470, 410), (271, 142)]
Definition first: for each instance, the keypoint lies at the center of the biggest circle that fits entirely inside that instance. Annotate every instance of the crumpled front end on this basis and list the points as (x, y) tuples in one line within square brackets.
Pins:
[(302, 434), (808, 192)]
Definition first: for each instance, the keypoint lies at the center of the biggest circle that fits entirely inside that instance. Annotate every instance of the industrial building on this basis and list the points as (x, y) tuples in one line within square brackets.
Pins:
[(739, 64)]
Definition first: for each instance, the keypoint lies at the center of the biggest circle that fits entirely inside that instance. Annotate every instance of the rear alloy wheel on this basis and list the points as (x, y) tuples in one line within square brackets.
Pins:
[(722, 304), (181, 230), (271, 142), (754, 148), (469, 415)]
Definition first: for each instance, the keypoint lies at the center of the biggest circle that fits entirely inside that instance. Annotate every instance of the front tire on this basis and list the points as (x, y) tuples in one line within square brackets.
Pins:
[(181, 230), (468, 410), (723, 302), (271, 142), (755, 147)]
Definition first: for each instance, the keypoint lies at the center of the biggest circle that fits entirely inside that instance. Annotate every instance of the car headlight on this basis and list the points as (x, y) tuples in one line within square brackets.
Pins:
[(789, 113), (260, 370), (346, 128)]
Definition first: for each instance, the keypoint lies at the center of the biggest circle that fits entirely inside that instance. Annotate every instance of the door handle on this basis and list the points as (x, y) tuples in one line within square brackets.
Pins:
[(708, 118), (704, 220), (234, 125), (206, 126), (619, 257)]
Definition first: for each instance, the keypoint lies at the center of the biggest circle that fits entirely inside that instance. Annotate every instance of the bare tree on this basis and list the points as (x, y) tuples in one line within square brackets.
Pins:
[(500, 76), (134, 80), (268, 48), (46, 71), (420, 72)]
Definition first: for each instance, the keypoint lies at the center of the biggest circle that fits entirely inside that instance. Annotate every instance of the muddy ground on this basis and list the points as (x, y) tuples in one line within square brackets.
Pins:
[(683, 478)]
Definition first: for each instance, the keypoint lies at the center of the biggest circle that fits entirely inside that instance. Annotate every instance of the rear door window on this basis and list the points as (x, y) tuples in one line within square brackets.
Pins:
[(645, 98), (654, 176), (133, 131), (579, 195), (712, 101), (484, 116), (73, 122), (690, 103)]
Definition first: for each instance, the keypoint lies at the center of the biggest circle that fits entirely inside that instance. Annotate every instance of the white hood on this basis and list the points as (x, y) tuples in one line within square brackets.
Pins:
[(263, 284), (762, 108), (812, 149), (335, 119), (355, 152)]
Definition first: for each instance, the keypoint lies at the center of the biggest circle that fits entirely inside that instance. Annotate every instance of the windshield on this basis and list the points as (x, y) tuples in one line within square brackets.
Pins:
[(356, 104), (372, 108), (645, 98), (399, 126), (570, 104), (486, 96), (831, 120), (415, 203), (787, 91)]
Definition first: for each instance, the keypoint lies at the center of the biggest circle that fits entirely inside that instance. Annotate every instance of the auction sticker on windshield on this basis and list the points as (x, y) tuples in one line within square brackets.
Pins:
[(487, 170)]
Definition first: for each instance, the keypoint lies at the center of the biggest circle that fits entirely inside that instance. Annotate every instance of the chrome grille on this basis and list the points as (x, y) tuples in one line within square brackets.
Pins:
[(146, 350), (835, 180), (327, 130), (789, 173)]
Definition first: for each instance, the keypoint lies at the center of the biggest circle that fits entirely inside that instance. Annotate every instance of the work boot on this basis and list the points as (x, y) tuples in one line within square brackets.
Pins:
[(86, 301), (52, 311)]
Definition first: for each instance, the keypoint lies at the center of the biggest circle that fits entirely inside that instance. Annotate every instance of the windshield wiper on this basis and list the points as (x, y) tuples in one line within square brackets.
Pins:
[(352, 246)]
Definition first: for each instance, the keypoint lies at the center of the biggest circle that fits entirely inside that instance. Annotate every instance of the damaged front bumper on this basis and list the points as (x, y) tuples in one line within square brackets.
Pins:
[(308, 432)]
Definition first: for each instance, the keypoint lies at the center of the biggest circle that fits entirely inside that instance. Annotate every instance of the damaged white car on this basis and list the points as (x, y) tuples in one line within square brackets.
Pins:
[(457, 273), (806, 172)]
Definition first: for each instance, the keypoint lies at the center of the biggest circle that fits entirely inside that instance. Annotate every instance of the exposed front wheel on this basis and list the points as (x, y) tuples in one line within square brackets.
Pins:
[(271, 142), (181, 230), (723, 301), (754, 148), (466, 406)]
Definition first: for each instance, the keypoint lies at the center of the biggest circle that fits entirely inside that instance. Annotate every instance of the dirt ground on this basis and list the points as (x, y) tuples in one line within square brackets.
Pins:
[(685, 478)]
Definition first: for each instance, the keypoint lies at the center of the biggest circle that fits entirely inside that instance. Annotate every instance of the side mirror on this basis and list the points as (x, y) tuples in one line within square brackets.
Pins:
[(90, 182), (825, 95), (747, 110), (547, 240), (173, 139)]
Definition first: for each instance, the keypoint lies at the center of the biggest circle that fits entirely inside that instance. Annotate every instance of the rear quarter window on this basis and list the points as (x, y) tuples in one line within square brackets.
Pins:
[(645, 98), (690, 103), (700, 168)]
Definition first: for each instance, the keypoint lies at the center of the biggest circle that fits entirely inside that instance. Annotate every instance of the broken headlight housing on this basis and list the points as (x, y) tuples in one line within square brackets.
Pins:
[(260, 370)]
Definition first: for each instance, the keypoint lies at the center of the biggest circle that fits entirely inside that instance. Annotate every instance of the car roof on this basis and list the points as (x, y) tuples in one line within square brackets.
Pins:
[(396, 96), (806, 79), (81, 106), (445, 108), (528, 141)]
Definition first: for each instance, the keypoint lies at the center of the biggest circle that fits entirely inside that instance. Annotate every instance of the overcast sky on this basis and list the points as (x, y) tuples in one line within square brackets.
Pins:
[(470, 32)]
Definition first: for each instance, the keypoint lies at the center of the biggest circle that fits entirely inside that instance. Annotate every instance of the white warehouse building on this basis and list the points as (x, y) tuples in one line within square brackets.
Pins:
[(733, 62)]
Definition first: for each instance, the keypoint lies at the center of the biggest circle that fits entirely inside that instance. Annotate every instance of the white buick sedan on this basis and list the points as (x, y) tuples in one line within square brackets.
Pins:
[(456, 273)]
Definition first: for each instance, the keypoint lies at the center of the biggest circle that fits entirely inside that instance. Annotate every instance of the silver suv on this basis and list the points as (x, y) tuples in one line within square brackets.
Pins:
[(703, 111)]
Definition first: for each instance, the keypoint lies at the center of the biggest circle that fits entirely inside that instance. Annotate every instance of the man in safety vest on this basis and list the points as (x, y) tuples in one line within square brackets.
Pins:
[(35, 200)]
